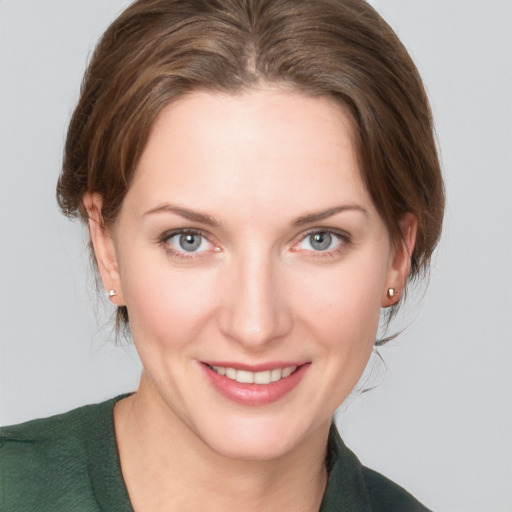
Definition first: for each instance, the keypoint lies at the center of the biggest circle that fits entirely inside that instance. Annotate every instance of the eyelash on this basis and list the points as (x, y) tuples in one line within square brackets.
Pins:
[(344, 241), (344, 238), (183, 255)]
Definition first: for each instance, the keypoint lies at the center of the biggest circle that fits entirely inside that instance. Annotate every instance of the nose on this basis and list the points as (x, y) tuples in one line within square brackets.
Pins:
[(255, 311)]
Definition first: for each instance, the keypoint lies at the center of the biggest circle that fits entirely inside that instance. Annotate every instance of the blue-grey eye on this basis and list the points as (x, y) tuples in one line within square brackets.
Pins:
[(321, 241), (190, 242)]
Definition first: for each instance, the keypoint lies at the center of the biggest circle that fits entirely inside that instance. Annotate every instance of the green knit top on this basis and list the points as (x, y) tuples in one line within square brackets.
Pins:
[(70, 463)]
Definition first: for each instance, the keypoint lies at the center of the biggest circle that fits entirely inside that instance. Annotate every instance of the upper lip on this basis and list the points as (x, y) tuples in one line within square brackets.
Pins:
[(273, 365)]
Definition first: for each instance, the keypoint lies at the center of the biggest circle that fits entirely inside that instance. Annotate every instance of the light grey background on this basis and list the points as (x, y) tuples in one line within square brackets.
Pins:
[(440, 422)]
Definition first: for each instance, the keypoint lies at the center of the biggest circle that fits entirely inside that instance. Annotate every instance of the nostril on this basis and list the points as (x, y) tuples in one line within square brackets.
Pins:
[(254, 312)]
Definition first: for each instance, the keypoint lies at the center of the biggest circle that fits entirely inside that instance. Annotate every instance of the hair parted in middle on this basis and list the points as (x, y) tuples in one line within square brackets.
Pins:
[(157, 51)]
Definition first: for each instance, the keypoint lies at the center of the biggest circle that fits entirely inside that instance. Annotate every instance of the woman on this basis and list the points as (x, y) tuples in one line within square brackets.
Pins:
[(259, 179)]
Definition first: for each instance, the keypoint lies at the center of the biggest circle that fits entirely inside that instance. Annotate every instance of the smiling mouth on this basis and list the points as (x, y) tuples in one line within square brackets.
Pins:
[(247, 377)]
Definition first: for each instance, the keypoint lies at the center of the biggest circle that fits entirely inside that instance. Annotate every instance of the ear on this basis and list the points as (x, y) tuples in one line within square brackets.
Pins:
[(103, 247), (400, 264)]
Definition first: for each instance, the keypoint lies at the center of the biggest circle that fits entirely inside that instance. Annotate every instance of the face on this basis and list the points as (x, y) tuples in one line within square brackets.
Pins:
[(253, 265)]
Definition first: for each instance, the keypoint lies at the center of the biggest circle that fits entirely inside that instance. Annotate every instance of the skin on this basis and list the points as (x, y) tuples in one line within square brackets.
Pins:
[(256, 291)]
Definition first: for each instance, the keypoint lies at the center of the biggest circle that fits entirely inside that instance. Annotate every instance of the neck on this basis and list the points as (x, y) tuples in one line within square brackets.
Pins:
[(167, 467)]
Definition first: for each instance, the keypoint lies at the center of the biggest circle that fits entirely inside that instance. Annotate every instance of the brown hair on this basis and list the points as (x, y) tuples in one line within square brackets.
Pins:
[(159, 50)]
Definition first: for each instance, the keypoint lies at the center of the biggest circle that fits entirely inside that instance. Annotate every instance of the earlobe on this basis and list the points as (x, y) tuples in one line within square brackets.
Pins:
[(103, 247), (400, 266)]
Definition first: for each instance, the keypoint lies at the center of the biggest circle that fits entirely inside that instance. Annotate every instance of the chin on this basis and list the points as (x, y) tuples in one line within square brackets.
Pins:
[(250, 438)]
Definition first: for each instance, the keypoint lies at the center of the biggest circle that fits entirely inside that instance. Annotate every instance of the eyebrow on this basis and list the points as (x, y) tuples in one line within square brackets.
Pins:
[(186, 213), (324, 214), (212, 221)]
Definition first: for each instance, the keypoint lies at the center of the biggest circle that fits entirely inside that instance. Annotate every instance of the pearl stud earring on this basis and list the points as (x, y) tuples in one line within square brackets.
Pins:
[(112, 293), (391, 293)]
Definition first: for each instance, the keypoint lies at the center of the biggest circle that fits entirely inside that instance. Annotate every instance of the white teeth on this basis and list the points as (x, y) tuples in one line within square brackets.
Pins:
[(262, 377), (231, 373), (220, 369), (245, 377), (276, 375), (287, 372)]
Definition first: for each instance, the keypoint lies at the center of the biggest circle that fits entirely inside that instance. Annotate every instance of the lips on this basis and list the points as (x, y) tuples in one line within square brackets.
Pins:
[(254, 386)]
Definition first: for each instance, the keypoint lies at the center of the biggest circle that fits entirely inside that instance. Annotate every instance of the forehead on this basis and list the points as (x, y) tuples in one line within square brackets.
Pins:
[(252, 150)]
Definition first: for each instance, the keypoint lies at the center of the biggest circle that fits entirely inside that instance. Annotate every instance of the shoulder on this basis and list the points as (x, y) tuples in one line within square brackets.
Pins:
[(44, 442), (48, 438), (352, 486), (386, 495), (45, 463), (44, 429)]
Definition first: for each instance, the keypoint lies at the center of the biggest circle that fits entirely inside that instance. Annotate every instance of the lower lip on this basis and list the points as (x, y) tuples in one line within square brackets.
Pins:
[(255, 394)]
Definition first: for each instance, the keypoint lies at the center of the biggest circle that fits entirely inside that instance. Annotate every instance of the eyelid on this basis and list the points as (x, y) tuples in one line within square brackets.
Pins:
[(164, 238), (335, 231), (346, 239)]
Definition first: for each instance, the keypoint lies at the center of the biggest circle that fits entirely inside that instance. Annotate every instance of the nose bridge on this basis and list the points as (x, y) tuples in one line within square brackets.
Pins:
[(255, 312)]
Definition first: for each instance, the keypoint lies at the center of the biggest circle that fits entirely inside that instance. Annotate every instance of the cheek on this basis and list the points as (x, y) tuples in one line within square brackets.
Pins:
[(342, 305), (347, 292), (166, 306)]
